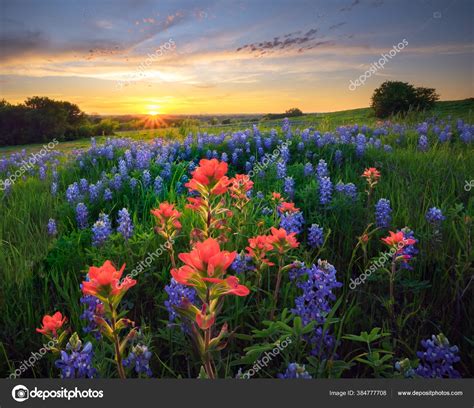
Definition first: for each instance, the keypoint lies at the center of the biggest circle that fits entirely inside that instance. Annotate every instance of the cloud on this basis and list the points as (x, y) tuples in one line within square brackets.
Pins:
[(294, 40), (334, 26), (351, 6)]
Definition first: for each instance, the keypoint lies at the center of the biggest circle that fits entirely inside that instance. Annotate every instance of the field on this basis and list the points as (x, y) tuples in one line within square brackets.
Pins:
[(299, 299)]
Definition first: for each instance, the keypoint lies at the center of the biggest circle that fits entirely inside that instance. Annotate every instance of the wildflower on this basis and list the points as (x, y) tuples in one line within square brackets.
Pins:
[(240, 186), (209, 177), (338, 157), (435, 216), (203, 319), (289, 186), (104, 282), (313, 304), (167, 218), (258, 248), (125, 224), (52, 229), (139, 359), (94, 307), (101, 230), (108, 194), (322, 169), (242, 264), (295, 371), (81, 215), (281, 169), (51, 324), (281, 240), (383, 213), (325, 190), (292, 222), (78, 362), (372, 175), (177, 295), (287, 208), (438, 358), (308, 169), (423, 143), (158, 185), (315, 236)]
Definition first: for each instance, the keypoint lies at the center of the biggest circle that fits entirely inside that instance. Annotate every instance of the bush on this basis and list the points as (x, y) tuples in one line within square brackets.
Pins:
[(394, 97)]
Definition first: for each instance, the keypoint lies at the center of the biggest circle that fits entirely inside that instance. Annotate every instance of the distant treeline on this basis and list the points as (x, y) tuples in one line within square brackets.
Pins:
[(288, 114), (40, 119)]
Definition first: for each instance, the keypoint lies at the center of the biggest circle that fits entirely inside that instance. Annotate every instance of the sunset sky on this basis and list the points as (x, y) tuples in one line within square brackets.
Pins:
[(230, 56)]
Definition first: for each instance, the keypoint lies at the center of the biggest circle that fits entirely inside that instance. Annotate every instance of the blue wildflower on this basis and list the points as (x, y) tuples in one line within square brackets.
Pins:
[(125, 224), (437, 360), (435, 216), (52, 229), (295, 371), (139, 359), (383, 213), (315, 236), (101, 230), (81, 215)]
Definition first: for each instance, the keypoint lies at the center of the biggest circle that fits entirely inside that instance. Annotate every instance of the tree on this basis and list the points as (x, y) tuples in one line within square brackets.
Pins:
[(293, 112), (399, 97)]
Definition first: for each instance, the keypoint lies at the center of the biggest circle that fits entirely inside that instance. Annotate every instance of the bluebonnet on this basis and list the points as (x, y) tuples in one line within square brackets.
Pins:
[(166, 172), (408, 250), (176, 294), (423, 143), (143, 158), (54, 188), (93, 192), (224, 157), (108, 194), (259, 195), (146, 178), (123, 168), (360, 145), (289, 186), (242, 263), (285, 153), (322, 169), (42, 172), (435, 216), (139, 359), (383, 213), (325, 190), (295, 371), (281, 169), (317, 283), (315, 236), (81, 215), (308, 169), (437, 360), (292, 222), (158, 185), (92, 308), (72, 193), (133, 183), (83, 185), (76, 361), (116, 182), (52, 229), (125, 224), (285, 127), (101, 230), (349, 190)]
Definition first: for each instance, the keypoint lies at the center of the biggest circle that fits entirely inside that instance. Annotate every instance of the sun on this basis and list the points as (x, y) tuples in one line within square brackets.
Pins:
[(153, 113), (153, 110)]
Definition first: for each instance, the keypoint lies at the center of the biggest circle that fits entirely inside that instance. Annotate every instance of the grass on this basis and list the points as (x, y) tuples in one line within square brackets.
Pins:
[(41, 275)]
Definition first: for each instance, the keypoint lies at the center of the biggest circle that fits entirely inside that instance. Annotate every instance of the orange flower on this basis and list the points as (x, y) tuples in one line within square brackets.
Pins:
[(258, 248), (283, 241), (195, 203), (230, 285), (276, 196), (372, 175), (397, 239), (167, 216), (210, 176), (240, 185), (205, 259), (288, 208), (104, 282), (51, 324), (204, 320)]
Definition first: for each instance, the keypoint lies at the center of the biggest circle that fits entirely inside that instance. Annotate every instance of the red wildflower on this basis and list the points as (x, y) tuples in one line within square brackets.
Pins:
[(230, 285), (51, 324), (276, 196), (372, 175), (195, 203), (204, 320), (104, 281), (398, 240), (239, 186), (205, 259), (283, 241), (258, 248), (209, 176), (287, 208), (167, 215)]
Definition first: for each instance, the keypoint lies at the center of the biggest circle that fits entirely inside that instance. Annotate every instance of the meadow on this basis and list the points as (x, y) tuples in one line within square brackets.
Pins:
[(252, 263)]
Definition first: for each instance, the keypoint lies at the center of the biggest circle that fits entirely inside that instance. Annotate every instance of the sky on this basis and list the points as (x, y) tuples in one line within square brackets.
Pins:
[(211, 57)]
